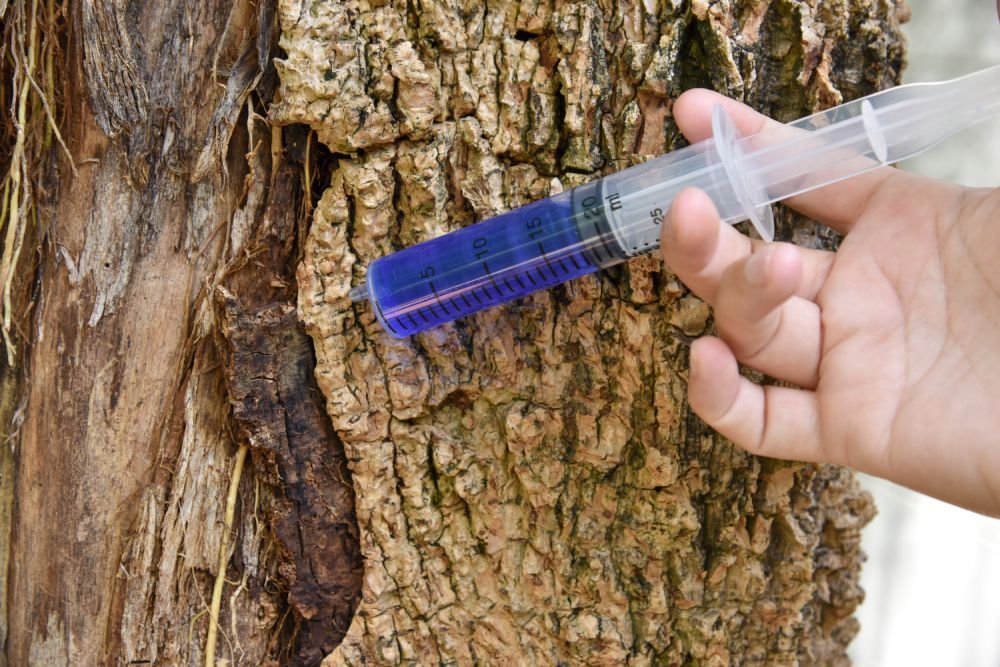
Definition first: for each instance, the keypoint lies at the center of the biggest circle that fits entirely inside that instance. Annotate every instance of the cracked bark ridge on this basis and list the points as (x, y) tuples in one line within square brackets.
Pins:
[(531, 487), (278, 406), (115, 81)]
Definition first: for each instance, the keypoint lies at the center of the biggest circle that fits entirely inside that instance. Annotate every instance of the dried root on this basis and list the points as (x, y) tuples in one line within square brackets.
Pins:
[(28, 87)]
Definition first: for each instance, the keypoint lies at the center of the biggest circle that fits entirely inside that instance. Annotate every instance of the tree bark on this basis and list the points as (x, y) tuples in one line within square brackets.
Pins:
[(530, 486), (525, 486)]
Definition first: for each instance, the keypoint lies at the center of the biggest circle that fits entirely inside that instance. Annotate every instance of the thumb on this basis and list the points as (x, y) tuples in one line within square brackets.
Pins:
[(777, 422)]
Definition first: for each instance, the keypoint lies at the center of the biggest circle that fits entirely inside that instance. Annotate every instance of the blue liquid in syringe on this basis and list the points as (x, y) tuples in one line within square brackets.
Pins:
[(530, 248)]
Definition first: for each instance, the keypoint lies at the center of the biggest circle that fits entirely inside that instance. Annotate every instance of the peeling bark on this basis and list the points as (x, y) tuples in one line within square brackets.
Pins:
[(276, 401), (531, 487)]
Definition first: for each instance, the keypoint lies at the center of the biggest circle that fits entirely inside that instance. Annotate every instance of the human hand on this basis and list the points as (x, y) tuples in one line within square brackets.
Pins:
[(894, 340)]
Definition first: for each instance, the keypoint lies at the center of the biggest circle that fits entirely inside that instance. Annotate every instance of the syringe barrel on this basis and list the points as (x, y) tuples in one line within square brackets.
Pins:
[(545, 243), (503, 258), (636, 200)]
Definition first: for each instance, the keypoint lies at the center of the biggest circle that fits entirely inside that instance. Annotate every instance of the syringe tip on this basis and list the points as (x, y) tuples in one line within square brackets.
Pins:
[(359, 293)]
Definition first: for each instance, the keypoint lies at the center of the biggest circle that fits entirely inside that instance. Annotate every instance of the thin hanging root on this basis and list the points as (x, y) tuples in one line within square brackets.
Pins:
[(32, 43), (50, 83), (52, 128), (307, 177), (7, 307), (220, 577), (19, 184), (8, 343)]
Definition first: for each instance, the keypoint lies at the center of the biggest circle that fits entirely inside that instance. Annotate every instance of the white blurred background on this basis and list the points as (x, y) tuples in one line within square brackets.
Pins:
[(933, 572)]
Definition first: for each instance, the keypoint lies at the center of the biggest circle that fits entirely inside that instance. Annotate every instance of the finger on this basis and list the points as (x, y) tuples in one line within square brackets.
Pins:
[(766, 326), (838, 205), (698, 247), (776, 422), (816, 267)]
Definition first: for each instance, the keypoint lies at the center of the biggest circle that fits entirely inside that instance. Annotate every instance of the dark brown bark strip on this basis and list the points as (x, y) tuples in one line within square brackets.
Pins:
[(279, 408)]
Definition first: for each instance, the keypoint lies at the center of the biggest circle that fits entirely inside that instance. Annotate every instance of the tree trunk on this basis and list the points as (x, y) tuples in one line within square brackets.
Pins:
[(528, 485)]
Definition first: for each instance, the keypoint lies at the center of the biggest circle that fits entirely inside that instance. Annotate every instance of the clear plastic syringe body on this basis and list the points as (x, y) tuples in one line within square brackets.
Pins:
[(619, 216)]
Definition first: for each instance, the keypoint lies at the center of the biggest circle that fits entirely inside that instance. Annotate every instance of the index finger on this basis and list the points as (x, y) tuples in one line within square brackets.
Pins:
[(838, 205)]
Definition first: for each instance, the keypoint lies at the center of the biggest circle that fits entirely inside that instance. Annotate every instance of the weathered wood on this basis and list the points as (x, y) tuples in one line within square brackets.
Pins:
[(124, 457), (531, 487)]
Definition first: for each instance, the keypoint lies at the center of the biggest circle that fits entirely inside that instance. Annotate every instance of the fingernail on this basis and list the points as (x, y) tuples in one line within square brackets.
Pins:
[(755, 270)]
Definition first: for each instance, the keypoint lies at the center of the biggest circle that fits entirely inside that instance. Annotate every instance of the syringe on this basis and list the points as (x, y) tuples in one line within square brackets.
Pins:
[(614, 218)]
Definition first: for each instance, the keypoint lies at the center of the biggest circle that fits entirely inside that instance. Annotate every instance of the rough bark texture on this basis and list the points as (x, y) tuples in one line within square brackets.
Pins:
[(531, 488)]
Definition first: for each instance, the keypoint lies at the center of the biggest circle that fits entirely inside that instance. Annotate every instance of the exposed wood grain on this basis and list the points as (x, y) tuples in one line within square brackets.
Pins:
[(128, 436)]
